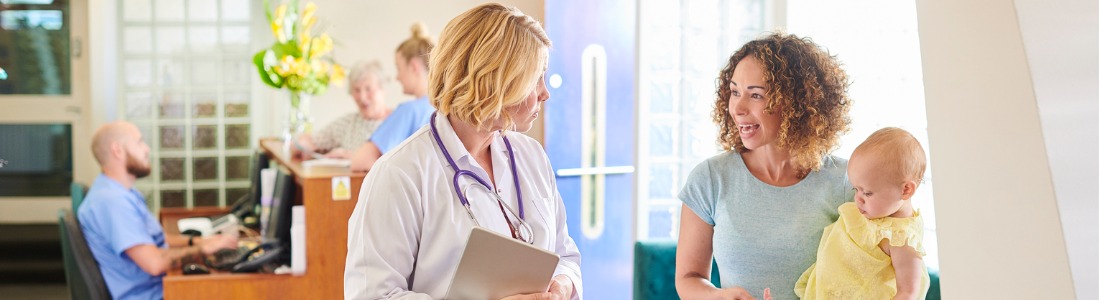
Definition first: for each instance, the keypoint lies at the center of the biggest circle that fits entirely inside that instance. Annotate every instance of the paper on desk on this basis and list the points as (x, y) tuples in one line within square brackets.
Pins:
[(326, 162)]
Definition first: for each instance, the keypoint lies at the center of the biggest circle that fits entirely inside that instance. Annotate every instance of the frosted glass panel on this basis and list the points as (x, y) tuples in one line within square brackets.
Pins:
[(203, 39), (136, 10), (171, 72), (186, 73), (235, 10), (205, 105), (664, 220), (171, 137), (137, 40), (139, 106), (202, 10), (170, 40), (662, 97), (171, 104), (661, 141), (169, 10), (237, 72), (206, 168), (662, 181), (171, 169), (236, 104), (138, 72), (206, 137), (206, 197), (204, 73), (235, 38)]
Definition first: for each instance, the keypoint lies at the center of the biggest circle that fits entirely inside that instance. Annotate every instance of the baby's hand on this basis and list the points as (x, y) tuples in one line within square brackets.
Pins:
[(767, 294)]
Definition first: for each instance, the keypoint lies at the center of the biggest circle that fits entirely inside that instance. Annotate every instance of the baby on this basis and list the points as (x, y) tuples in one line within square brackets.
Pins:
[(873, 251)]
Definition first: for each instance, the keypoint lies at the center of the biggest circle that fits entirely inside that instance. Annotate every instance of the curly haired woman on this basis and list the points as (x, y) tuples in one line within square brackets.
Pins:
[(758, 207)]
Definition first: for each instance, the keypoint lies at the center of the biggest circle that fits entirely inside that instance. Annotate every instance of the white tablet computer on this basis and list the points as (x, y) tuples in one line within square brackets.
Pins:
[(494, 266)]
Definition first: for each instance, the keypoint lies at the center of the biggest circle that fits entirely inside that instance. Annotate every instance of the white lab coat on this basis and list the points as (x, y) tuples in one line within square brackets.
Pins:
[(407, 232)]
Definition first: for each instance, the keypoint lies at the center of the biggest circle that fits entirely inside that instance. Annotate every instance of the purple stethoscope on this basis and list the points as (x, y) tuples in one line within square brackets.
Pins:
[(523, 231)]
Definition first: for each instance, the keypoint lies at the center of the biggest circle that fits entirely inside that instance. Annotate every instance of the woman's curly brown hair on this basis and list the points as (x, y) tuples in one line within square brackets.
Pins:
[(810, 87)]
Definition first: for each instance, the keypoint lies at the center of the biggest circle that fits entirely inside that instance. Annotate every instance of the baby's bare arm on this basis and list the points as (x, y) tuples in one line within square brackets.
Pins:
[(908, 266)]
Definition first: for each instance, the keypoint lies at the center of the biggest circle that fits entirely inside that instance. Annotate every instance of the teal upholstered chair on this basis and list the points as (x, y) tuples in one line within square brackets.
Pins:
[(81, 269), (77, 191), (655, 272), (933, 285)]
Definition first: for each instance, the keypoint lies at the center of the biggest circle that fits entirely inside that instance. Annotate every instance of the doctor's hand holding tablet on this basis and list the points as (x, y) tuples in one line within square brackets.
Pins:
[(469, 183)]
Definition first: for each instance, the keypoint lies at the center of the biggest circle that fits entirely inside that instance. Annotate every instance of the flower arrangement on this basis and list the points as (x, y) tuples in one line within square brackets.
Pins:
[(299, 60)]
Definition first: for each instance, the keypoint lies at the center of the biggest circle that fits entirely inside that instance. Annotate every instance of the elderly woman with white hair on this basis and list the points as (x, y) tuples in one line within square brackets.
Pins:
[(341, 137)]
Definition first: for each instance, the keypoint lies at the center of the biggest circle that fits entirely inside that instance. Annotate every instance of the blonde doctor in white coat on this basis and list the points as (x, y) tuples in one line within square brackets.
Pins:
[(486, 79)]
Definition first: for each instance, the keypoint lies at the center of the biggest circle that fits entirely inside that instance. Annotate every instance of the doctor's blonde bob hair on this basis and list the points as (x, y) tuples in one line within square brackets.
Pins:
[(488, 58)]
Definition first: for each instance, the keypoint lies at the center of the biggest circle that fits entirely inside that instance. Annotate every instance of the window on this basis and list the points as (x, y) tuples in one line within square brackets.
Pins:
[(35, 160), (185, 77), (683, 46), (34, 47), (877, 42)]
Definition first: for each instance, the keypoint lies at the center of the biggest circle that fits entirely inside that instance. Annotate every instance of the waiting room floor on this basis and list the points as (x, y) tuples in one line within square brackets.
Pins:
[(30, 262)]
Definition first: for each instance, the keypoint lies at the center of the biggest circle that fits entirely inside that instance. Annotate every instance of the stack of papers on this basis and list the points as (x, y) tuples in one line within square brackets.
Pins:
[(324, 166)]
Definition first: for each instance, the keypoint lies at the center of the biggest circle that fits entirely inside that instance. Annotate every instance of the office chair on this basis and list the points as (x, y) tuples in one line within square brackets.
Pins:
[(81, 269), (77, 191)]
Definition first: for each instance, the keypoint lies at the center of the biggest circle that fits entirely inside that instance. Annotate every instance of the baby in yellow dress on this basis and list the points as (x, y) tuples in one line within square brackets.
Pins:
[(873, 251)]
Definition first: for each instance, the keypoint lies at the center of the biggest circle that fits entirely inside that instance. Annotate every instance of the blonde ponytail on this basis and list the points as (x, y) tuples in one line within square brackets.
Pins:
[(418, 45)]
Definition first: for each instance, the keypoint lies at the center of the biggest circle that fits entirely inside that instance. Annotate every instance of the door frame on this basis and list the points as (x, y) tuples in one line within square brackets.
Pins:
[(43, 109)]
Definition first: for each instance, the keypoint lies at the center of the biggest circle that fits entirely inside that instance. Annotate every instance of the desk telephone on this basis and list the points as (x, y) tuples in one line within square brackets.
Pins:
[(246, 259)]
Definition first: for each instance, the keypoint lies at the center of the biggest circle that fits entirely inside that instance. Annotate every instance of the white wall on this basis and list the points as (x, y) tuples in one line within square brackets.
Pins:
[(999, 225), (365, 30), (1061, 46)]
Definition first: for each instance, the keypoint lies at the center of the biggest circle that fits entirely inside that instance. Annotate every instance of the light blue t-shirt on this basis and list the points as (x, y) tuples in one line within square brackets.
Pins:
[(405, 120), (764, 236), (114, 219)]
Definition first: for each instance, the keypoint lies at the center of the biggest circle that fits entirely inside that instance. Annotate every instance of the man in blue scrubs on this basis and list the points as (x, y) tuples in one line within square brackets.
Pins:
[(124, 237)]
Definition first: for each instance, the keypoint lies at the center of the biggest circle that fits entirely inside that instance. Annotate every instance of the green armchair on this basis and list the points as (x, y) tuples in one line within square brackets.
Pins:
[(655, 271)]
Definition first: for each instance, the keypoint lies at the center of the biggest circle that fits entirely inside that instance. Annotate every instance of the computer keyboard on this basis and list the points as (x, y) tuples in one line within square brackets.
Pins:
[(225, 259)]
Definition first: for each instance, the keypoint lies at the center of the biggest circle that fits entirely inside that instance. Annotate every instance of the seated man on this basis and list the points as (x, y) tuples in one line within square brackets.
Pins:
[(124, 237)]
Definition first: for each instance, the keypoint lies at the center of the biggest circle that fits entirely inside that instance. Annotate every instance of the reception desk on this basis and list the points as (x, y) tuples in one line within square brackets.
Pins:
[(326, 244)]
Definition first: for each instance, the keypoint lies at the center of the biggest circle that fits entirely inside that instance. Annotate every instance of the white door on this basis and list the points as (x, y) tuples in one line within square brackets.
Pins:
[(44, 115)]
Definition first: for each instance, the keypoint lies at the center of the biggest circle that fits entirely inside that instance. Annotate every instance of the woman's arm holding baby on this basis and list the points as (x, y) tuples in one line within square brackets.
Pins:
[(908, 266)]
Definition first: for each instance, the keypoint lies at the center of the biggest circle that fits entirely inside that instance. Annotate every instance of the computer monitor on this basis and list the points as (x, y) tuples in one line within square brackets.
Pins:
[(248, 205), (282, 200)]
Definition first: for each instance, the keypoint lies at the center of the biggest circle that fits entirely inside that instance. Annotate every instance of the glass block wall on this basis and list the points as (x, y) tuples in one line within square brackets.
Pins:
[(185, 78), (683, 46)]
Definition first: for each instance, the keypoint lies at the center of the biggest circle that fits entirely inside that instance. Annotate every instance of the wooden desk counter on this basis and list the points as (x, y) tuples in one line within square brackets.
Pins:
[(326, 245)]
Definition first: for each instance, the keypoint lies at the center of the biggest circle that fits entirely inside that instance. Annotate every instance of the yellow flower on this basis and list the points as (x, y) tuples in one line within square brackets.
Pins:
[(337, 73), (304, 42), (308, 18), (321, 46), (301, 67), (277, 24)]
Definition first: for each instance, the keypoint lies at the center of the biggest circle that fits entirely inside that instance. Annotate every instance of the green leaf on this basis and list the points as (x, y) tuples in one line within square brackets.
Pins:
[(288, 48), (266, 73)]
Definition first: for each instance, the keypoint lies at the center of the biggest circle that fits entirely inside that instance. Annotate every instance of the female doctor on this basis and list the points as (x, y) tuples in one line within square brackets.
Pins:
[(470, 166)]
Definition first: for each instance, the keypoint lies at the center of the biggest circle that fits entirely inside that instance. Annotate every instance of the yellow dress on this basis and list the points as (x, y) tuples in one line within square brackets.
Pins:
[(850, 264)]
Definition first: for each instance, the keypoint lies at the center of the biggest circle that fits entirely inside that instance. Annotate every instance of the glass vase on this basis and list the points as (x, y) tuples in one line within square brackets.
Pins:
[(297, 119)]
